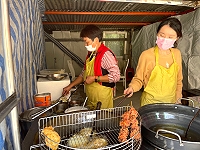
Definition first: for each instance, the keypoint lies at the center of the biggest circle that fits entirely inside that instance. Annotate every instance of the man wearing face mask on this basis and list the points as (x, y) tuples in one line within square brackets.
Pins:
[(100, 72), (159, 68)]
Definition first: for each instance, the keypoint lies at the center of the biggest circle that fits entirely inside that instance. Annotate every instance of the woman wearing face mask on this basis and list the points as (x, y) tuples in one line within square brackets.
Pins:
[(100, 72), (159, 68)]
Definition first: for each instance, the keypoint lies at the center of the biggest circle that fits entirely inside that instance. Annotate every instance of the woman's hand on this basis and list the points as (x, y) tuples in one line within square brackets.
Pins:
[(66, 90), (178, 101), (128, 91), (89, 79)]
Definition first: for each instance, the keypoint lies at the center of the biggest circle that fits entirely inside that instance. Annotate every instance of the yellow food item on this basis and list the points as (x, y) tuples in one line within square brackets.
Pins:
[(97, 142), (81, 140), (77, 141), (86, 131), (52, 138)]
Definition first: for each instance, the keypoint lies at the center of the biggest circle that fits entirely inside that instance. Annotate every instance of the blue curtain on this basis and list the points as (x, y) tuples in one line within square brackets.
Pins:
[(27, 38)]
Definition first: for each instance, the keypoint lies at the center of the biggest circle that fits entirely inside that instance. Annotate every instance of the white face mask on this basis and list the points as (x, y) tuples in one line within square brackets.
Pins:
[(90, 48)]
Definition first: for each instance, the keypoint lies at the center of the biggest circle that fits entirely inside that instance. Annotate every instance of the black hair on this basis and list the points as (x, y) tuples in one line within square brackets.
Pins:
[(175, 24), (92, 31)]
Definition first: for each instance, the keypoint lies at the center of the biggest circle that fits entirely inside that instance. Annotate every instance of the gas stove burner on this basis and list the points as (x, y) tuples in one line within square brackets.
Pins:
[(147, 145)]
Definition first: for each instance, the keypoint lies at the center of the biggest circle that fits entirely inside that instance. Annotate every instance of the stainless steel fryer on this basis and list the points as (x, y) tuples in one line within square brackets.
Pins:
[(107, 125)]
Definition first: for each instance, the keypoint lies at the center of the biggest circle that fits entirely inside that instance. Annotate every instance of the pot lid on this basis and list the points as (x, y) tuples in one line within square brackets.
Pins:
[(75, 108), (26, 115)]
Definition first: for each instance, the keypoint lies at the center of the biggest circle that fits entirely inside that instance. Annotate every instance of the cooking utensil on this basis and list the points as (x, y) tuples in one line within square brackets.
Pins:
[(85, 101), (93, 127), (77, 108), (191, 123), (119, 97), (164, 125), (107, 126), (60, 108), (125, 96), (50, 107), (26, 121), (54, 77)]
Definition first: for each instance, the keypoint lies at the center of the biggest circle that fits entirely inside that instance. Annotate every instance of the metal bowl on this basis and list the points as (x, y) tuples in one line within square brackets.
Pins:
[(60, 108), (56, 76)]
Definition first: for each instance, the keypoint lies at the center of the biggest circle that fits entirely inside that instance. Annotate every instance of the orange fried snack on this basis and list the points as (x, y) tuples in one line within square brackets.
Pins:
[(123, 134), (52, 138), (129, 121)]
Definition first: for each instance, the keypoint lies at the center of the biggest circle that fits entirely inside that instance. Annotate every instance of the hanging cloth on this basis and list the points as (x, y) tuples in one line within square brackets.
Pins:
[(94, 91), (161, 87)]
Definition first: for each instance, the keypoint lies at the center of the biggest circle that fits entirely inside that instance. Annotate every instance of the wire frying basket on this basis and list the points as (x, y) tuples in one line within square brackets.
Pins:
[(107, 126)]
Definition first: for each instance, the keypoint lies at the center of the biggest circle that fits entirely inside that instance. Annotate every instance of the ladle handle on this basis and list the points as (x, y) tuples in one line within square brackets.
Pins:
[(85, 101), (43, 111), (167, 131)]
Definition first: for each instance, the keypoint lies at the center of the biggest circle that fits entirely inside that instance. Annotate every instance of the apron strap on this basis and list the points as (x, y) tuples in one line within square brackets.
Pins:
[(156, 53)]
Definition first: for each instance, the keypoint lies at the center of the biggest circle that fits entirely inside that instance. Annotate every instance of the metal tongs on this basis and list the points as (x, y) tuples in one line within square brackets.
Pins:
[(35, 115), (125, 96)]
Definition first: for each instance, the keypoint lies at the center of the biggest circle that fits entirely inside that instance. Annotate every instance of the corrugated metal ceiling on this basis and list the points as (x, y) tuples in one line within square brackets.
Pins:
[(73, 15)]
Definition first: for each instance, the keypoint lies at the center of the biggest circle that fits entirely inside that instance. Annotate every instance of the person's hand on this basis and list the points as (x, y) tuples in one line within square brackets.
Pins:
[(178, 101), (89, 79), (128, 91), (66, 90)]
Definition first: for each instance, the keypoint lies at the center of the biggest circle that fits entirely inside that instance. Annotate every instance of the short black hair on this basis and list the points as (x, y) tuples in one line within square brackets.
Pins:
[(92, 31)]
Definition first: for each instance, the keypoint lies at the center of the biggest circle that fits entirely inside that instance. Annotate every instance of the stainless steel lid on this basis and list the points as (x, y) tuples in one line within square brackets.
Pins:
[(26, 115)]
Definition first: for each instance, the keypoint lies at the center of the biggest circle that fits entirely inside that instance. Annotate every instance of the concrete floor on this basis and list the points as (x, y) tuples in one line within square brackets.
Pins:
[(135, 99)]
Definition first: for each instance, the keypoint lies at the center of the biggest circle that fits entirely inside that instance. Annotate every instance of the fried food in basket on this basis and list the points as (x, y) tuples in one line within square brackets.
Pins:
[(129, 121), (81, 140), (97, 142), (86, 131), (52, 138), (77, 140)]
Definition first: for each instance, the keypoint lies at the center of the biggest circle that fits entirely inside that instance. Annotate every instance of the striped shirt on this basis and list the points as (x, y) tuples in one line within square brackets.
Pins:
[(110, 64)]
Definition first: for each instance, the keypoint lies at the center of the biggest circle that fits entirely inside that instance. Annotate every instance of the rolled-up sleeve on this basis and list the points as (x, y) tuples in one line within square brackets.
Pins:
[(82, 72), (109, 63)]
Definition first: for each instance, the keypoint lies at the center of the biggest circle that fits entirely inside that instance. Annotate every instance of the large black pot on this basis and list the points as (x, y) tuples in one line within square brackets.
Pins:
[(26, 121), (164, 125)]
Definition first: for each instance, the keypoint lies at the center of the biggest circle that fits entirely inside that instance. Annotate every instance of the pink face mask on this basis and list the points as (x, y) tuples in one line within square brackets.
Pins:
[(165, 43)]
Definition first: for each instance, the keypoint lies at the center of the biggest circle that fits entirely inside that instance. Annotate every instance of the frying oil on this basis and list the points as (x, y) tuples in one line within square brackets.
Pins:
[(191, 135)]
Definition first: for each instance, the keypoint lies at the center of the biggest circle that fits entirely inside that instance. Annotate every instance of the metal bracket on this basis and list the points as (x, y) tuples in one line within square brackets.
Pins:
[(8, 105)]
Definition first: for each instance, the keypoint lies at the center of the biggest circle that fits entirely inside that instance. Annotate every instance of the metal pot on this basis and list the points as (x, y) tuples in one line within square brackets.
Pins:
[(26, 121), (60, 108), (164, 125)]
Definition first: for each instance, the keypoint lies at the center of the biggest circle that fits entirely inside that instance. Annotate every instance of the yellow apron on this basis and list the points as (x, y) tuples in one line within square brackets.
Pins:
[(161, 87), (96, 92)]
